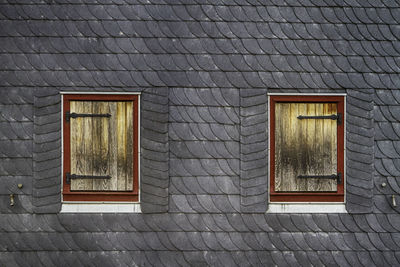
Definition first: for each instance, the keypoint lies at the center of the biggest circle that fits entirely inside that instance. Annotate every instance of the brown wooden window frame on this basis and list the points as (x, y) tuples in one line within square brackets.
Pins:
[(337, 196), (100, 196)]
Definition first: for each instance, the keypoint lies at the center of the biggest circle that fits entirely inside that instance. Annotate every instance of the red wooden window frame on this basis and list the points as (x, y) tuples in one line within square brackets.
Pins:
[(130, 196), (308, 196)]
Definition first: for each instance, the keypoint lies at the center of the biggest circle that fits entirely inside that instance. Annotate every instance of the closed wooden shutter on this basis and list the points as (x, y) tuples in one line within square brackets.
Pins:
[(305, 147), (102, 146)]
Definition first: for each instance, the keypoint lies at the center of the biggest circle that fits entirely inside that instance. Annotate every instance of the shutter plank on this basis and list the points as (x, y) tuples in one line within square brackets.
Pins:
[(318, 152), (121, 148), (129, 145), (301, 147), (81, 146), (310, 143), (292, 147), (333, 143), (113, 162), (100, 144), (76, 137), (278, 146)]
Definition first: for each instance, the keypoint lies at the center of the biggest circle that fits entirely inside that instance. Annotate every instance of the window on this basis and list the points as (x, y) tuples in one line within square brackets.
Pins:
[(306, 148), (101, 157)]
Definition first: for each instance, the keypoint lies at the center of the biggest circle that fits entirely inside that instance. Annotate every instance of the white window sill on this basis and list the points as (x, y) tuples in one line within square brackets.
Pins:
[(306, 208), (96, 207)]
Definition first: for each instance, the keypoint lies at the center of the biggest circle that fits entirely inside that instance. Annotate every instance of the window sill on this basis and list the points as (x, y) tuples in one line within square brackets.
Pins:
[(306, 208), (97, 207)]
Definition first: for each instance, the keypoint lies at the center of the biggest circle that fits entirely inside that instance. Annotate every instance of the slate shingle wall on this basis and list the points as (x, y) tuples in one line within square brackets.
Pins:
[(204, 69), (387, 179), (16, 132)]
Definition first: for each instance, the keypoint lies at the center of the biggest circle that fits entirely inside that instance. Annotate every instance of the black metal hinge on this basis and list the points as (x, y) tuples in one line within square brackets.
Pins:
[(69, 176), (337, 117), (74, 115), (337, 177)]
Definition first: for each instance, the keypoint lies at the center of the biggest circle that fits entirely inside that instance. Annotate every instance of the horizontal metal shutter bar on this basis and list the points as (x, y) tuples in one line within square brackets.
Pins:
[(74, 115), (337, 177), (70, 176), (337, 117)]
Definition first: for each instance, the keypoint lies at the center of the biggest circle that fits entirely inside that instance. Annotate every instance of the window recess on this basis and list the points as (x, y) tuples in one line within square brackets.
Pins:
[(100, 135), (306, 148)]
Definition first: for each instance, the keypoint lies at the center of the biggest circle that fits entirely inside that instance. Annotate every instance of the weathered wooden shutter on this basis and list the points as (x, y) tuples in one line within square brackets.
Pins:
[(102, 146), (306, 147)]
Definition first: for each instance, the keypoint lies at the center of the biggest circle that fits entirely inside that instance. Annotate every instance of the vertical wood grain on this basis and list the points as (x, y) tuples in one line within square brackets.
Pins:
[(304, 147), (129, 144), (113, 147), (75, 139), (81, 135), (301, 158), (333, 108), (121, 148), (278, 142), (102, 146)]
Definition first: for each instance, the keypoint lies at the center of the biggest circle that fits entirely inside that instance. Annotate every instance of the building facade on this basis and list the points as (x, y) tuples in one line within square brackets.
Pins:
[(204, 73)]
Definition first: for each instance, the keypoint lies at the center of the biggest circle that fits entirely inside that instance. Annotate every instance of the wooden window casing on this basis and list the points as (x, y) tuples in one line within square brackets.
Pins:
[(336, 191), (130, 190)]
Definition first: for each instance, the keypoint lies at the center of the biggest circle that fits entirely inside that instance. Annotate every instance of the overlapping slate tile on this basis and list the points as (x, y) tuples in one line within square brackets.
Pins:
[(253, 149), (209, 51), (154, 140)]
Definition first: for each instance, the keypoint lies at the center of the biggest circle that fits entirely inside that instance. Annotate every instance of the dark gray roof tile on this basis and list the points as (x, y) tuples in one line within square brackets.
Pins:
[(376, 240), (314, 258), (22, 166), (302, 258), (394, 185), (211, 241), (349, 223), (261, 221), (383, 204), (276, 242), (202, 185), (379, 259), (335, 220), (322, 222), (352, 242), (357, 203), (362, 223), (196, 241), (273, 222), (313, 241), (363, 240), (383, 222), (17, 113), (385, 131), (388, 241), (287, 223), (16, 96), (299, 222), (16, 149), (327, 257), (338, 240), (290, 243)]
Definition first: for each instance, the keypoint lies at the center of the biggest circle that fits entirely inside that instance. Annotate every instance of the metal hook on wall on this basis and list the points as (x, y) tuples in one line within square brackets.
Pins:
[(12, 202)]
